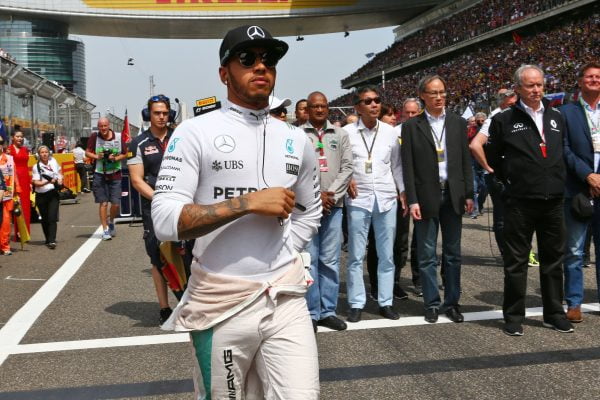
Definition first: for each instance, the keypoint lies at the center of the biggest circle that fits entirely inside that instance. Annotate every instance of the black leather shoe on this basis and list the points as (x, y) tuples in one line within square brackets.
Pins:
[(314, 322), (399, 293), (431, 315), (388, 312), (373, 294), (333, 322), (454, 315), (513, 329), (354, 315), (165, 313), (419, 290)]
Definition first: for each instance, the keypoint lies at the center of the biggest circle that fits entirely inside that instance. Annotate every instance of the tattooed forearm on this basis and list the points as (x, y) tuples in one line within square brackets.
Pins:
[(197, 220)]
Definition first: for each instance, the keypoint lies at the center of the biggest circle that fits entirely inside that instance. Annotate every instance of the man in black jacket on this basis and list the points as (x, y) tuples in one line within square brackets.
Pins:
[(438, 180), (525, 149)]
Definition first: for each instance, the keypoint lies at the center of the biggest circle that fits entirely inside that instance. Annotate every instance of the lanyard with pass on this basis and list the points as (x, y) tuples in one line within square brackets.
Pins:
[(320, 147), (439, 149), (543, 144), (594, 126), (369, 162)]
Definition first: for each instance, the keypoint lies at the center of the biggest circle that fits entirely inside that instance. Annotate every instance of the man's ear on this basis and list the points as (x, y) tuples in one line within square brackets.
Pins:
[(223, 75)]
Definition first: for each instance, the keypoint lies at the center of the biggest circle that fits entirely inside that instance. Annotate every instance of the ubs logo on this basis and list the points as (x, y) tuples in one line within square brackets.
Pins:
[(228, 164)]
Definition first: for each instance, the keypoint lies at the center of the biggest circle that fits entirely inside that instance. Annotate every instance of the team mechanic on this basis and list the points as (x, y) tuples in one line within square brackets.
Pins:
[(246, 186), (145, 154)]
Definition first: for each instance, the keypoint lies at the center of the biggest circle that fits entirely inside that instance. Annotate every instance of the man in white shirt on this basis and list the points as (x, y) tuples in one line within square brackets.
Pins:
[(377, 181)]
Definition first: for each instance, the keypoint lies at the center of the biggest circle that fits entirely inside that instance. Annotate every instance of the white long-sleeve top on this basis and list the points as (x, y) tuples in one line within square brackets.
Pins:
[(219, 156), (52, 170), (385, 180)]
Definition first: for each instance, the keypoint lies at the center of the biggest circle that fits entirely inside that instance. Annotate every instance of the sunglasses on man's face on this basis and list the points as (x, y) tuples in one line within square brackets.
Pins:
[(369, 100), (278, 111), (248, 58)]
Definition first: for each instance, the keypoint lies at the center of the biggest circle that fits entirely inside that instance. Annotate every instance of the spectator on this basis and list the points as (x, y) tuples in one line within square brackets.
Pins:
[(439, 188), (80, 166), (7, 166), (46, 177), (334, 163), (301, 112), (278, 107), (107, 148), (20, 155), (562, 50), (388, 115), (582, 122), (463, 25), (377, 180), (533, 200)]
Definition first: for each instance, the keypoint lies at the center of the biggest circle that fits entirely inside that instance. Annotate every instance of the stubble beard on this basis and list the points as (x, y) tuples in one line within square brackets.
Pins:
[(258, 100)]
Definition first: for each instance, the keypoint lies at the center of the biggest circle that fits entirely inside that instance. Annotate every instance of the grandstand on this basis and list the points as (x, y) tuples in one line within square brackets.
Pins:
[(479, 46)]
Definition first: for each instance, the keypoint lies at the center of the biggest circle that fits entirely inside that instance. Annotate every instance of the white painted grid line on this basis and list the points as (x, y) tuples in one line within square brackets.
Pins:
[(19, 324), (131, 341)]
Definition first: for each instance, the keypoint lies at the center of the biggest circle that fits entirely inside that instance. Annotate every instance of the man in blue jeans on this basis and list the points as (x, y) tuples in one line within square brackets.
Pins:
[(377, 181), (439, 189), (582, 156), (334, 163)]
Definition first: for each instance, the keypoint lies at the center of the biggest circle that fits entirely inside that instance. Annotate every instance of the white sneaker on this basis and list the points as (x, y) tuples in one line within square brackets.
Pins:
[(106, 235)]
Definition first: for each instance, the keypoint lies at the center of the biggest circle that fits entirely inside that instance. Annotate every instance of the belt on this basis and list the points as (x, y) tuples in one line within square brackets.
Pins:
[(443, 185)]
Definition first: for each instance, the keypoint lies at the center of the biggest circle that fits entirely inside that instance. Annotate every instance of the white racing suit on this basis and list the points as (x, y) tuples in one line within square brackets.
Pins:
[(251, 332)]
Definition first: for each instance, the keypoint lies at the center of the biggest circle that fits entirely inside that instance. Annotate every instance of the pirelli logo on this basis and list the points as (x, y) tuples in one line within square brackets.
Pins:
[(215, 5), (206, 101)]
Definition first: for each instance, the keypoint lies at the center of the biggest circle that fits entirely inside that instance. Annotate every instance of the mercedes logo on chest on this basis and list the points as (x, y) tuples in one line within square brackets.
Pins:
[(224, 143), (255, 32)]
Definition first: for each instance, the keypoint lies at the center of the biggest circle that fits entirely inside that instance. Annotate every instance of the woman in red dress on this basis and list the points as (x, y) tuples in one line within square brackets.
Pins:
[(20, 156)]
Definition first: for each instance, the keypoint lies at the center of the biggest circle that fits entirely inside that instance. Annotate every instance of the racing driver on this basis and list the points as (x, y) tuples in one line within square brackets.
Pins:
[(244, 185)]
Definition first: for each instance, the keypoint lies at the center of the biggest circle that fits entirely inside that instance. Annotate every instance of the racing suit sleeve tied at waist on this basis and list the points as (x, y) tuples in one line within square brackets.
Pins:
[(212, 298)]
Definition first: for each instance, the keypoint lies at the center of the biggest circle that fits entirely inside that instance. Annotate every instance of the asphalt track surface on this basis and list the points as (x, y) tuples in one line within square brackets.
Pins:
[(80, 322)]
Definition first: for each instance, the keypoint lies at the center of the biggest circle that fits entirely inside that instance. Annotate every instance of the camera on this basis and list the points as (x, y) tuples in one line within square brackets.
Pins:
[(57, 186), (106, 154)]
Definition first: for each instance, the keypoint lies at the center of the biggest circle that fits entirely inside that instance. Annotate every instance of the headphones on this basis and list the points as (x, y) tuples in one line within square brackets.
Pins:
[(157, 99), (146, 115)]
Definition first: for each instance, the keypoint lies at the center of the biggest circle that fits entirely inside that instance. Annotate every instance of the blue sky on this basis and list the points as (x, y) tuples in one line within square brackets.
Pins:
[(187, 69)]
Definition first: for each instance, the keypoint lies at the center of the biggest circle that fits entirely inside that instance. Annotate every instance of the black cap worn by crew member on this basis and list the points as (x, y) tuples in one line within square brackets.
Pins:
[(247, 36)]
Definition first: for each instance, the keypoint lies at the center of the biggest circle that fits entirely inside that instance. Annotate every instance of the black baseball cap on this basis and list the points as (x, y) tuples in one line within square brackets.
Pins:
[(249, 36)]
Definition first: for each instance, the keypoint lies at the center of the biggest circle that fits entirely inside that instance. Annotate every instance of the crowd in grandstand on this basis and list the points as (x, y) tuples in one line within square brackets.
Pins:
[(475, 74), (469, 23)]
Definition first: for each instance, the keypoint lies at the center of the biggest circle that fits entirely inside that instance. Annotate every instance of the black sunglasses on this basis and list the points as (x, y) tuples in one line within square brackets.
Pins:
[(279, 110), (248, 58), (368, 101)]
